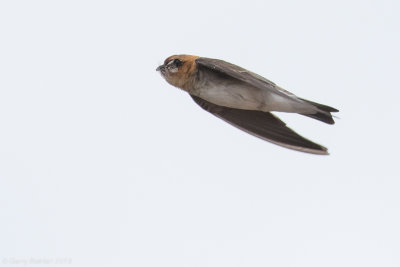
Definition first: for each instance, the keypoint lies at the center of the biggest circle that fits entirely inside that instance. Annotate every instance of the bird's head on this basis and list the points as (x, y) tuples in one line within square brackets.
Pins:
[(179, 71)]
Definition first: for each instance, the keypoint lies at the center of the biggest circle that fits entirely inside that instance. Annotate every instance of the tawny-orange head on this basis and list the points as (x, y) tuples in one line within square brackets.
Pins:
[(179, 71)]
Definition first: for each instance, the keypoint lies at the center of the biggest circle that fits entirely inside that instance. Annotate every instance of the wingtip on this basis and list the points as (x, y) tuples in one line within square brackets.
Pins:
[(323, 151)]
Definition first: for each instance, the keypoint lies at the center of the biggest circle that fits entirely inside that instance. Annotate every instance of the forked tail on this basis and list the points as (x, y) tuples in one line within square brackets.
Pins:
[(324, 115)]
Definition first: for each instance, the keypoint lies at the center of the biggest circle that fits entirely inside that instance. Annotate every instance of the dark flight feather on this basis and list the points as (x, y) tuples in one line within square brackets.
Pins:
[(263, 125)]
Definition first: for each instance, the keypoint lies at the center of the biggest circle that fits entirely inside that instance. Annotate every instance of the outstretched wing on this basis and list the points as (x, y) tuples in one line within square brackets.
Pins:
[(263, 125)]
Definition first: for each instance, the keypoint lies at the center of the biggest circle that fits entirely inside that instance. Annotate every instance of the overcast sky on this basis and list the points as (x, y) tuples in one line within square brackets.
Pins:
[(102, 163)]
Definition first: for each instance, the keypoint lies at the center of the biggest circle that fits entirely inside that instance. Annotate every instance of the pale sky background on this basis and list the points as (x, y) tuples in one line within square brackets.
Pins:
[(102, 163)]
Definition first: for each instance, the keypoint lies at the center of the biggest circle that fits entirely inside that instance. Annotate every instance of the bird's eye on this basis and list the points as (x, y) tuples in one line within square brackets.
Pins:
[(177, 62)]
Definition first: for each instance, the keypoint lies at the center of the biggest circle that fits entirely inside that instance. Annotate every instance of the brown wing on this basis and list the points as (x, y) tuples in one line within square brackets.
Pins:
[(263, 125), (241, 74)]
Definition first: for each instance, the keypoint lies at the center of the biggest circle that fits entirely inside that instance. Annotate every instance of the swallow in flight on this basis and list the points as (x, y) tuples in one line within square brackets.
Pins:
[(244, 99)]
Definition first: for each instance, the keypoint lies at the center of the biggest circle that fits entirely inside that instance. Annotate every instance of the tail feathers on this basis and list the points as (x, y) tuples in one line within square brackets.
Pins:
[(324, 117), (321, 107), (325, 114)]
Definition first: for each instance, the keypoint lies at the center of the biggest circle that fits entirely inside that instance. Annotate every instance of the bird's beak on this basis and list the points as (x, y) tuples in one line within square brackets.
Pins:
[(160, 68)]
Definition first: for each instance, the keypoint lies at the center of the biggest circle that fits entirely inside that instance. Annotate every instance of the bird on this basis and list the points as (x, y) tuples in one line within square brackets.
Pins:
[(244, 99)]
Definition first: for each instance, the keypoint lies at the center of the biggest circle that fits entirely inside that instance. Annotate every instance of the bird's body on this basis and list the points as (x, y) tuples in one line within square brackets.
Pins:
[(238, 96), (222, 90)]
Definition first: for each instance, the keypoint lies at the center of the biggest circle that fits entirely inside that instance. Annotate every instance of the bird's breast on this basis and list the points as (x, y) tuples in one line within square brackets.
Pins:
[(229, 93)]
